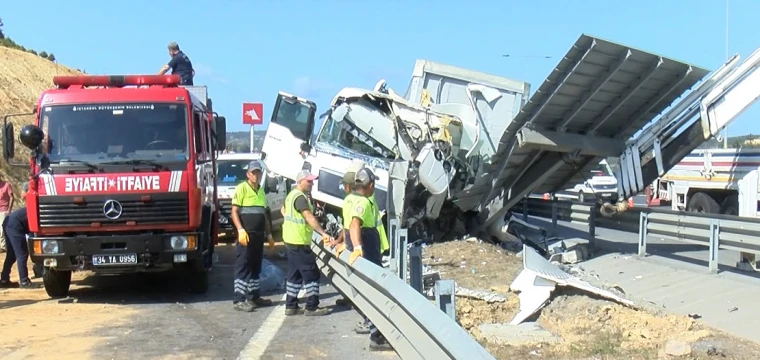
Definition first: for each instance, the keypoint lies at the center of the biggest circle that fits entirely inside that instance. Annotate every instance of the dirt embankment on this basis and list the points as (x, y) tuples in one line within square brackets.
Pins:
[(585, 327), (23, 76)]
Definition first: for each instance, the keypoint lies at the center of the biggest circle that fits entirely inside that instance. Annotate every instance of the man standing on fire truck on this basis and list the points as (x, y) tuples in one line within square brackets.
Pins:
[(249, 217), (297, 229)]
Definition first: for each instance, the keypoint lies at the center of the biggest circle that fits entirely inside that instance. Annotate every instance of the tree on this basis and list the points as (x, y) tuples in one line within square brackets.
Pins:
[(44, 54), (2, 36), (51, 57)]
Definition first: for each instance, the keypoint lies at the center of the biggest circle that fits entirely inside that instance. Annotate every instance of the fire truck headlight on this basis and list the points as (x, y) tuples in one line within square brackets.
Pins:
[(178, 242), (50, 246)]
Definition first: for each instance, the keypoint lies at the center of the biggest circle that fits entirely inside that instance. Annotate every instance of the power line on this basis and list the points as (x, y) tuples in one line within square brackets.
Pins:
[(527, 56)]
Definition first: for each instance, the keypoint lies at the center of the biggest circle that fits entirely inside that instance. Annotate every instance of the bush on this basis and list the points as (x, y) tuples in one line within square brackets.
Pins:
[(9, 43)]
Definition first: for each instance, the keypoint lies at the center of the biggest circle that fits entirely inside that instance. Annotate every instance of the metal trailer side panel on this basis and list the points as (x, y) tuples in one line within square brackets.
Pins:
[(447, 84), (201, 92)]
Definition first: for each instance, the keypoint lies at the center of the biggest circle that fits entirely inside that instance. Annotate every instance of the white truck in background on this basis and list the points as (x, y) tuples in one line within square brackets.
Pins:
[(718, 181), (230, 171), (600, 184)]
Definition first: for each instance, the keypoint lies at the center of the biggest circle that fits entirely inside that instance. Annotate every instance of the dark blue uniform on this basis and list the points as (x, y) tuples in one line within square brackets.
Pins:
[(16, 227), (181, 65)]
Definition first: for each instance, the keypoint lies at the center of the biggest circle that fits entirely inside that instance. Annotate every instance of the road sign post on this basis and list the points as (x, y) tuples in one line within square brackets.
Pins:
[(253, 114)]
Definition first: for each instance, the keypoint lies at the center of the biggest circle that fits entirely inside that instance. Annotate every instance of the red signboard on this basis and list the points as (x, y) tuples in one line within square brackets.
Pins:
[(253, 113)]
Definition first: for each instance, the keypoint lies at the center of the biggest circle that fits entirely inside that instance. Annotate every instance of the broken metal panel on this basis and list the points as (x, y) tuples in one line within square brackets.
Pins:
[(539, 278), (599, 88)]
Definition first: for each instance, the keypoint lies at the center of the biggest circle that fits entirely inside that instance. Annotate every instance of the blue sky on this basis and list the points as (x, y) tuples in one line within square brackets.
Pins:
[(248, 50)]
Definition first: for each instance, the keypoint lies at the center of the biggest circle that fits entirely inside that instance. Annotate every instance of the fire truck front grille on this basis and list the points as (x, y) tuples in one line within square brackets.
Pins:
[(78, 211)]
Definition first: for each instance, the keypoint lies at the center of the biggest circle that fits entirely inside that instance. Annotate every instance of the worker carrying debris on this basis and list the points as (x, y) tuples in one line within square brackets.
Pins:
[(298, 226), (363, 237), (179, 64), (249, 216)]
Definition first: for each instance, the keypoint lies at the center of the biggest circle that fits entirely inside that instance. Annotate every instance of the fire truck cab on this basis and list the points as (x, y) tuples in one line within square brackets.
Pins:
[(122, 178)]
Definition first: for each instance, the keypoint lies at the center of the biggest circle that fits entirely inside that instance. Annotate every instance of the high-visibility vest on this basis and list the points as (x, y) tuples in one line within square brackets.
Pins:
[(295, 229)]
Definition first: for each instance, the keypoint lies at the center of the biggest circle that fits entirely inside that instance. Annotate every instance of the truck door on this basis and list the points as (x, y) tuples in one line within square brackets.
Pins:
[(288, 134)]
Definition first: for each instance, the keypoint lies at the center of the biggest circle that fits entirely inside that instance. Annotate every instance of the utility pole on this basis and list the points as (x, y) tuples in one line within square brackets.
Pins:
[(725, 129)]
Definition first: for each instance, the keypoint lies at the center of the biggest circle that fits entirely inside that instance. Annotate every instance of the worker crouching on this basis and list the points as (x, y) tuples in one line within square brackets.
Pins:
[(297, 229), (249, 216)]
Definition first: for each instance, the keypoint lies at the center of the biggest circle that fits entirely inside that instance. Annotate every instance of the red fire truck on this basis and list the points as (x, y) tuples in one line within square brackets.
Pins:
[(123, 178)]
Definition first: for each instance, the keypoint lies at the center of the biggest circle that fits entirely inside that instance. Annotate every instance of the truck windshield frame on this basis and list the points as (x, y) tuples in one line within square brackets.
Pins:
[(602, 170), (347, 136), (231, 171), (105, 132)]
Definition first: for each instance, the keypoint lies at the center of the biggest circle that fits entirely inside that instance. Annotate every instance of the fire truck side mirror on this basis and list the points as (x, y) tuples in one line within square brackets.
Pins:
[(31, 136), (9, 143), (221, 132)]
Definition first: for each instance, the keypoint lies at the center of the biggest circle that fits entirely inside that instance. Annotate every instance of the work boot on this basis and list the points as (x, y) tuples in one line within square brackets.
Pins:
[(293, 311), (261, 302), (243, 306), (361, 328), (343, 302), (316, 312), (5, 284), (27, 284), (379, 343)]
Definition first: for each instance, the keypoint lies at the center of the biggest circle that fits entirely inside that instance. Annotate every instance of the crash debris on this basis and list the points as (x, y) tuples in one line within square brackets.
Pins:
[(539, 278)]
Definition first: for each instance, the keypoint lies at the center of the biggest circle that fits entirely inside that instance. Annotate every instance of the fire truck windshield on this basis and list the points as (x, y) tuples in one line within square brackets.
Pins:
[(107, 132)]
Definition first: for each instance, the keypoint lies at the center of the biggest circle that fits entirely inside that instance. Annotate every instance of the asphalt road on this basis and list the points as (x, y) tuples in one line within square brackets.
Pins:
[(166, 322)]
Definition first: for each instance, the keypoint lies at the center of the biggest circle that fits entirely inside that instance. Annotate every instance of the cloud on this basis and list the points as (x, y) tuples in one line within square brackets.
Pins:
[(308, 87), (209, 73)]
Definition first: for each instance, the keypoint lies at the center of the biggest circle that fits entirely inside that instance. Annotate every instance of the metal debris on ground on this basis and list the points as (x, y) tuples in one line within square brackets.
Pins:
[(539, 278)]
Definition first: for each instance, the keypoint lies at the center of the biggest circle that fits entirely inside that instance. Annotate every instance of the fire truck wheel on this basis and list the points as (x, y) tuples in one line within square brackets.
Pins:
[(198, 282), (56, 282)]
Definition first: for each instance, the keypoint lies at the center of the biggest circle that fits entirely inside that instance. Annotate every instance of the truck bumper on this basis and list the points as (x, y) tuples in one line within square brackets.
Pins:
[(117, 254)]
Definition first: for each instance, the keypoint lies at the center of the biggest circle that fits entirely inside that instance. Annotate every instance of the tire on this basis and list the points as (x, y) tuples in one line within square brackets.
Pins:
[(703, 203), (198, 281), (581, 197), (730, 206), (56, 282)]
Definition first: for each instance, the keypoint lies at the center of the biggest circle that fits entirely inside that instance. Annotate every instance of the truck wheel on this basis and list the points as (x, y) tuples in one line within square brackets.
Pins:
[(198, 281), (581, 197), (56, 282), (730, 206), (703, 203)]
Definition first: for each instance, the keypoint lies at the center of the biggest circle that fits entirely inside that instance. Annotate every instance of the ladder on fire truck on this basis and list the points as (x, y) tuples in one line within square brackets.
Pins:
[(710, 107)]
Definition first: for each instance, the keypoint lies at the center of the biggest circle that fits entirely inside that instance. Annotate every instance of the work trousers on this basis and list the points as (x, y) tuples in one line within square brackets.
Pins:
[(302, 271), (371, 253), (17, 252), (248, 267)]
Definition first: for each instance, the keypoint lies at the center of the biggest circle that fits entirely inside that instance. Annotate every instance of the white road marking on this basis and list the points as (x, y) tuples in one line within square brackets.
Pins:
[(259, 342)]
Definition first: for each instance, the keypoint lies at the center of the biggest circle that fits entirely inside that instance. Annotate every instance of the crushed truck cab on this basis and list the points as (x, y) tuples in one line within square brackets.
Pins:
[(123, 178)]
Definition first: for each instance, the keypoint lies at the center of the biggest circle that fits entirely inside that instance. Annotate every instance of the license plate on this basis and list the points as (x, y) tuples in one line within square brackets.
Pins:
[(121, 259)]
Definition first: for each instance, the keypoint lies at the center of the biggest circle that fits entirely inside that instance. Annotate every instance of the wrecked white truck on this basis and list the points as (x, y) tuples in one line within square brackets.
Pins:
[(461, 148)]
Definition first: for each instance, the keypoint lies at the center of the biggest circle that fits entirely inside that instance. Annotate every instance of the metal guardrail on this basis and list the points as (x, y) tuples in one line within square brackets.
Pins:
[(410, 322), (714, 231)]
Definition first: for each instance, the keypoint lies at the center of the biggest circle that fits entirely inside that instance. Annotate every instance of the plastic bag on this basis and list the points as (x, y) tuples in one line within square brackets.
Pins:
[(272, 278)]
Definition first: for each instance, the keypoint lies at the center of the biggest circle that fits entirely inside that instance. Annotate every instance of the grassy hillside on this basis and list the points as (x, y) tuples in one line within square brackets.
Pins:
[(23, 76)]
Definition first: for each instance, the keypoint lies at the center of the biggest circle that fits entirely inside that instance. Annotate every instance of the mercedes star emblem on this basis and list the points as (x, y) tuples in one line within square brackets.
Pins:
[(112, 209)]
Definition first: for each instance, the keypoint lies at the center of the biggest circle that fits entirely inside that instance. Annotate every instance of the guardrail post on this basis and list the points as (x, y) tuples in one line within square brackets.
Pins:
[(525, 209), (643, 221), (394, 250), (445, 291), (401, 252), (592, 226), (415, 267), (714, 245)]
